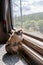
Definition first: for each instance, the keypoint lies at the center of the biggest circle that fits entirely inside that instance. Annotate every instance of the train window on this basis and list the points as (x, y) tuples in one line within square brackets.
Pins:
[(28, 15), (16, 13)]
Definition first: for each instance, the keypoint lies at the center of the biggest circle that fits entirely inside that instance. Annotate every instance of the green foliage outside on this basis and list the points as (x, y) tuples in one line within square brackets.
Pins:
[(32, 22)]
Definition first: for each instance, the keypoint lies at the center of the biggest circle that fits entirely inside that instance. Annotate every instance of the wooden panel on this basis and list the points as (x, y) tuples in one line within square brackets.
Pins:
[(33, 54), (33, 43)]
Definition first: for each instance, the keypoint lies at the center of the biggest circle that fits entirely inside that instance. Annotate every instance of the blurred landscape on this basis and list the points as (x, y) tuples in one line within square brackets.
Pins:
[(30, 23)]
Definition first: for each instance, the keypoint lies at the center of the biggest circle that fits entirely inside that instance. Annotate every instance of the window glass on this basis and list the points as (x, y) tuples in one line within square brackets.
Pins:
[(28, 15), (16, 13)]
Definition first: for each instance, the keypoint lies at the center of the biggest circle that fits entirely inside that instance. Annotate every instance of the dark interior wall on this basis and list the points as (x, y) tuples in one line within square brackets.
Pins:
[(3, 35), (1, 17)]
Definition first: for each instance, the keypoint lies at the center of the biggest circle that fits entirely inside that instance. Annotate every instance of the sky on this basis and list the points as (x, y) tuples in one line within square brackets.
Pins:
[(28, 7)]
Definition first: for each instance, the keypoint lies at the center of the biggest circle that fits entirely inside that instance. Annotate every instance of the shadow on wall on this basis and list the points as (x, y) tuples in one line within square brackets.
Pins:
[(10, 59)]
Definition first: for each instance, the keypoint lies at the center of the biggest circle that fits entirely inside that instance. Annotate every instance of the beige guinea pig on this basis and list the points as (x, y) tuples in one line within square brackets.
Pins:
[(13, 48)]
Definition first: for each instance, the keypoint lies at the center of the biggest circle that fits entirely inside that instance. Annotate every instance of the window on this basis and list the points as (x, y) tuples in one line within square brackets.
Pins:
[(16, 13), (28, 15)]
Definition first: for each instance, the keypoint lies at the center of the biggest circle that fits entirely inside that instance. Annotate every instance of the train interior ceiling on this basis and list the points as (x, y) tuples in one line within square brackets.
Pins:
[(16, 43)]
